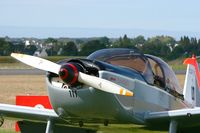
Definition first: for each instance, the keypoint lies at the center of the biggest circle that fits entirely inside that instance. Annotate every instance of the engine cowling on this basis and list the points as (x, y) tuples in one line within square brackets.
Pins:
[(69, 73), (70, 69)]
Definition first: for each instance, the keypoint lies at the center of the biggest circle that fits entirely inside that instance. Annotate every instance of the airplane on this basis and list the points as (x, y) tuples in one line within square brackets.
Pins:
[(116, 85)]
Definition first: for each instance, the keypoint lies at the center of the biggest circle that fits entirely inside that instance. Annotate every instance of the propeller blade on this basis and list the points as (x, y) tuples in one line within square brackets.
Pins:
[(103, 84), (37, 62), (96, 82)]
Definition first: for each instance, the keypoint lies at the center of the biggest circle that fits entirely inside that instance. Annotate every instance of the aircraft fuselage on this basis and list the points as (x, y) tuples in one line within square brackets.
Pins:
[(88, 104)]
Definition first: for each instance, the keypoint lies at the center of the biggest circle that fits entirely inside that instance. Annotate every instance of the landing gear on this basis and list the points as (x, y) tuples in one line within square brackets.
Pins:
[(49, 128), (173, 126), (106, 123), (1, 121), (80, 123)]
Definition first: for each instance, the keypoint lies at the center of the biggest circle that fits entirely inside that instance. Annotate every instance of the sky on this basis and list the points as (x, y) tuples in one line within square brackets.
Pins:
[(87, 18)]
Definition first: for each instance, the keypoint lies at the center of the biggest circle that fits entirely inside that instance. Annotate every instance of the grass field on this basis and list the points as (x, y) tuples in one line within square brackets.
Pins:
[(13, 85), (114, 128), (10, 86), (16, 65), (7, 62), (9, 59)]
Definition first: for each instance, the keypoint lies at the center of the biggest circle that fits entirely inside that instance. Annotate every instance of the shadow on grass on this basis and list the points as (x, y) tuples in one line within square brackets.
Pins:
[(33, 127)]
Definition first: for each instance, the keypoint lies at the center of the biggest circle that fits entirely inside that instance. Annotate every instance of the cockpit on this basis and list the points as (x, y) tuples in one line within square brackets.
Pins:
[(154, 70)]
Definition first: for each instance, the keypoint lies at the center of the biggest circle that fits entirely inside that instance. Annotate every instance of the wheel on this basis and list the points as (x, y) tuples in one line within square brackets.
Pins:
[(80, 123), (106, 123)]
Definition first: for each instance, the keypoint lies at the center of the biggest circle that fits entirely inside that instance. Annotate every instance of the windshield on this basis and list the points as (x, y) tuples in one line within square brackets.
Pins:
[(129, 58), (135, 62), (104, 54), (164, 73)]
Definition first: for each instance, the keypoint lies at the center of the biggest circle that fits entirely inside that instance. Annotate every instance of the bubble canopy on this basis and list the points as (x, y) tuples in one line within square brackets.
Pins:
[(154, 70)]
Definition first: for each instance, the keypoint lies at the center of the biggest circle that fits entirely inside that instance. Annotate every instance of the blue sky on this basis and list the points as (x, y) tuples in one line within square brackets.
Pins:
[(32, 17)]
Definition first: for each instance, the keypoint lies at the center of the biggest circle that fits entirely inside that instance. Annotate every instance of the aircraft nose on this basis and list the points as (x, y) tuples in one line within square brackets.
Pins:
[(63, 73)]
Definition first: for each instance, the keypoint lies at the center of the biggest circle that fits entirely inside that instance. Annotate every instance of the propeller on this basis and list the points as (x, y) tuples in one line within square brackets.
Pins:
[(71, 73)]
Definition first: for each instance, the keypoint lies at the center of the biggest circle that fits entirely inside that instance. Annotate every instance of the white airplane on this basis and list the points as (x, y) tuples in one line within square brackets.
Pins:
[(114, 86)]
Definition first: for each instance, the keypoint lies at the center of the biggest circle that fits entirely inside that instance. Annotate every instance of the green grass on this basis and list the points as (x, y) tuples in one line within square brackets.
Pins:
[(112, 128), (174, 64), (7, 62), (127, 128), (178, 67), (16, 65), (3, 130), (177, 64), (9, 59)]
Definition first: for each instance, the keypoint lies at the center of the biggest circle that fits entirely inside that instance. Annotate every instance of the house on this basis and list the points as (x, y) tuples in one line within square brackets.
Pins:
[(41, 53)]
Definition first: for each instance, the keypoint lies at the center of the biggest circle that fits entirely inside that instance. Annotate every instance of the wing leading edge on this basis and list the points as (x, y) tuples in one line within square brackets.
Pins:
[(184, 117), (27, 113)]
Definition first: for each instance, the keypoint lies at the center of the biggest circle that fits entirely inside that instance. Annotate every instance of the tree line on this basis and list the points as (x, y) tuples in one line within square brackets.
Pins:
[(162, 46)]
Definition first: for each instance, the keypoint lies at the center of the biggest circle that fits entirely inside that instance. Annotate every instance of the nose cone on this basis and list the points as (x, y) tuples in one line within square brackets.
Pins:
[(63, 73), (69, 74)]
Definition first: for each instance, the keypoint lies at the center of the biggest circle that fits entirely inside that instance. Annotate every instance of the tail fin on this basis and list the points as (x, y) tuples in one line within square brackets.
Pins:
[(192, 82)]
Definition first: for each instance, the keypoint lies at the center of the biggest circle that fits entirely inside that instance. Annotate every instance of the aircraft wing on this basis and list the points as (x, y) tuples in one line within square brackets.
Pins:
[(184, 117), (27, 113)]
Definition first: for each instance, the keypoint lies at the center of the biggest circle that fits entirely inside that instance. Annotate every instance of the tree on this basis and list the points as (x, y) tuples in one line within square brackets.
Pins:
[(193, 41), (177, 52), (91, 46), (69, 49), (30, 49), (186, 45), (105, 41), (5, 47), (19, 48), (139, 40), (157, 46), (51, 40), (198, 47), (124, 42), (53, 46)]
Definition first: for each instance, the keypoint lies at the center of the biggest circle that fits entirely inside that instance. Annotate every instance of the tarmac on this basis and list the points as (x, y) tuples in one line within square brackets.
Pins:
[(21, 72)]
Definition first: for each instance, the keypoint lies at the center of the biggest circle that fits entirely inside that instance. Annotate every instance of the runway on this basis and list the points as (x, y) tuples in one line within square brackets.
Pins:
[(21, 72)]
